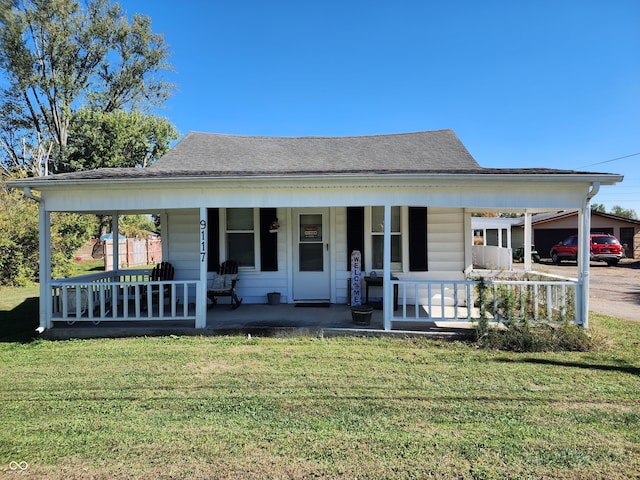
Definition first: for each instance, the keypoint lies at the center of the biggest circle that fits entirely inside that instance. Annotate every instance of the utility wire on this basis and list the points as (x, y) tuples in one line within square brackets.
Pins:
[(612, 160)]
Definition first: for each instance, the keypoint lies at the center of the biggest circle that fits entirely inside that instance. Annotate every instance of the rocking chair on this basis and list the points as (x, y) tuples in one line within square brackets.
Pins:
[(164, 271), (223, 284)]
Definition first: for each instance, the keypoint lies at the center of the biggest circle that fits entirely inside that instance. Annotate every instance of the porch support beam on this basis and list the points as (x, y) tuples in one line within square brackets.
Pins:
[(527, 241), (201, 288), (45, 313), (164, 221), (115, 235), (387, 303), (584, 247), (468, 242)]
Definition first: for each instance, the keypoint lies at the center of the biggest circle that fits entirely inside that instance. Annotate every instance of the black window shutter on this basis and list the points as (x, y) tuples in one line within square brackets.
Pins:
[(355, 233), (418, 257), (268, 241), (213, 238)]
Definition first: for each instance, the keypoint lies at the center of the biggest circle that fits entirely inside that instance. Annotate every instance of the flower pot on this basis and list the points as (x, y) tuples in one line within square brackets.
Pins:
[(273, 298), (362, 315)]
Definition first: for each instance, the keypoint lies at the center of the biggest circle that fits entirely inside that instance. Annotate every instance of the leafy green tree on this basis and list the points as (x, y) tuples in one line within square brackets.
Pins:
[(616, 210), (19, 239), (58, 56), (78, 80), (624, 212), (69, 232), (136, 226), (117, 139)]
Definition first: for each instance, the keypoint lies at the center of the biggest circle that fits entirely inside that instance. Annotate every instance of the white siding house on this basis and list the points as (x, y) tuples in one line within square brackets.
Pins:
[(405, 201)]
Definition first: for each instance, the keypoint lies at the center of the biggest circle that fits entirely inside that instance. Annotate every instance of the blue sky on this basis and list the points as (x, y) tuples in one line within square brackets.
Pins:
[(545, 83)]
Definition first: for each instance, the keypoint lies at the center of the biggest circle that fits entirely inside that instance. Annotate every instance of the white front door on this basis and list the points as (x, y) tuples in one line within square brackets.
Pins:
[(311, 271)]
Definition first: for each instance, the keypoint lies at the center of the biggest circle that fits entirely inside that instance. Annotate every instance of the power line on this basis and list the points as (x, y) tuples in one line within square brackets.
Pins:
[(612, 160)]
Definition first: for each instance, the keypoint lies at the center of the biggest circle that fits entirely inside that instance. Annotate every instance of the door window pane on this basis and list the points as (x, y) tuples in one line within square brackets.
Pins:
[(311, 228), (311, 257)]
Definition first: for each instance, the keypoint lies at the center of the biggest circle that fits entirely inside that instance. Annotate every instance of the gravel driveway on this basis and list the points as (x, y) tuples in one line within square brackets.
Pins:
[(613, 291)]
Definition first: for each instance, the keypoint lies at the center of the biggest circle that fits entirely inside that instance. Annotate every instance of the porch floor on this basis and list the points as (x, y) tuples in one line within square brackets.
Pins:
[(266, 320)]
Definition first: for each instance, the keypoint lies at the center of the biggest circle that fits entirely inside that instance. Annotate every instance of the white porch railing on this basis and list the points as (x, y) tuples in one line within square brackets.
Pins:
[(124, 295), (549, 300)]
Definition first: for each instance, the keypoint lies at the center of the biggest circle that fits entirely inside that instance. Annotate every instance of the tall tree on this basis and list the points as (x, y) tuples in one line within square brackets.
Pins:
[(58, 56), (117, 139)]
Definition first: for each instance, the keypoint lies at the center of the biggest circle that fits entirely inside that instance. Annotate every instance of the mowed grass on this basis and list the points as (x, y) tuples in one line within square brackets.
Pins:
[(238, 407)]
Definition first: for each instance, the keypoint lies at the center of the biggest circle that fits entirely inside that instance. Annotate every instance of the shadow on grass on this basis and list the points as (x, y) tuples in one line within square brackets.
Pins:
[(19, 324), (589, 366)]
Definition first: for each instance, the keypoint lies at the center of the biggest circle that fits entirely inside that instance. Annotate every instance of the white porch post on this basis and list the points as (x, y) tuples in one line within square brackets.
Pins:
[(115, 235), (44, 218), (387, 295), (201, 288), (164, 221), (468, 242), (584, 257), (527, 242)]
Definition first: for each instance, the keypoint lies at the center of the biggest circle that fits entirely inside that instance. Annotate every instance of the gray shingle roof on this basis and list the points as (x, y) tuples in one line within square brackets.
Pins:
[(439, 150), (207, 155)]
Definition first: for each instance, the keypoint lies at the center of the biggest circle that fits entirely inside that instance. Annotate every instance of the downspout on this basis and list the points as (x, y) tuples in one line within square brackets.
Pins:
[(585, 252), (43, 263), (29, 194), (595, 188)]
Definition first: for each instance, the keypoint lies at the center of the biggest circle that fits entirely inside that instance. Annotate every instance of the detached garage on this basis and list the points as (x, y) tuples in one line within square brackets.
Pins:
[(551, 228)]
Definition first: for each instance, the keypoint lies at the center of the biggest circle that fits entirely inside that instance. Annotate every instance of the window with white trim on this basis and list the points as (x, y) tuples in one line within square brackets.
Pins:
[(241, 236), (377, 238)]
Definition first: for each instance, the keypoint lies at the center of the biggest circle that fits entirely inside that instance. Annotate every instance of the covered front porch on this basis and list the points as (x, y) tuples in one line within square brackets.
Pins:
[(127, 302), (407, 300)]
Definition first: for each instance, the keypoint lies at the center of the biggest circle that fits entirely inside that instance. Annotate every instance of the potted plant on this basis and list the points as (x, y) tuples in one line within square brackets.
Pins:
[(361, 314)]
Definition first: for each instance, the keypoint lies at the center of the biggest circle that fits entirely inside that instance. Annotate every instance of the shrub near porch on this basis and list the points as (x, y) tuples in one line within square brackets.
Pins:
[(234, 407)]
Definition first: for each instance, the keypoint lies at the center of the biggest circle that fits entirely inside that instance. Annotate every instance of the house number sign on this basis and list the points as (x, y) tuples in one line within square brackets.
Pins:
[(203, 243)]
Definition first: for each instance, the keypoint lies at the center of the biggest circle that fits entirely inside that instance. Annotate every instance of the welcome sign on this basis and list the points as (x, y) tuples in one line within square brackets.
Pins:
[(356, 266)]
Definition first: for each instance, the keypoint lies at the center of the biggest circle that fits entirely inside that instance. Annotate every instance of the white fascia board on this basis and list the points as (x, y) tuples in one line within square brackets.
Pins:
[(434, 179), (469, 191)]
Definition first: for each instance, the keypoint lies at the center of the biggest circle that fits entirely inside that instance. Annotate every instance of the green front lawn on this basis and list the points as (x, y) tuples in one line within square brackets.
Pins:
[(237, 407)]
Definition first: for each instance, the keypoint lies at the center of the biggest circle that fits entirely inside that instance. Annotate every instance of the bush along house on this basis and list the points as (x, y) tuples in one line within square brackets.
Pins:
[(289, 211)]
